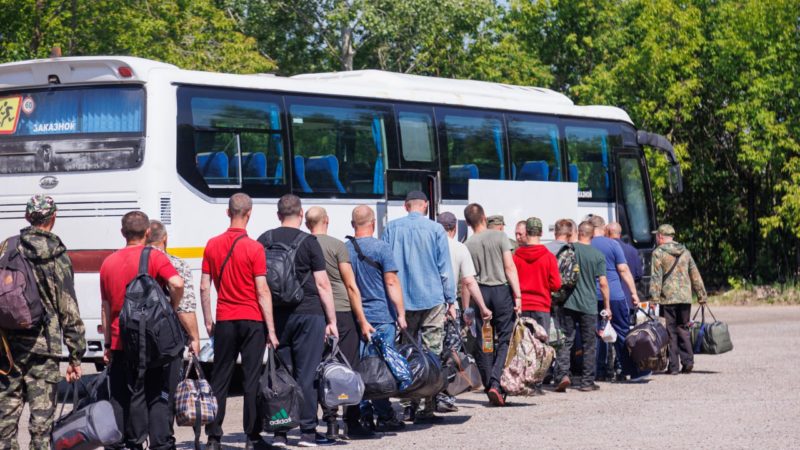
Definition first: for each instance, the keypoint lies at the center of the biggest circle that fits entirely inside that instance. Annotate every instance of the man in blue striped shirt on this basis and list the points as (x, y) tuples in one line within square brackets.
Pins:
[(422, 254)]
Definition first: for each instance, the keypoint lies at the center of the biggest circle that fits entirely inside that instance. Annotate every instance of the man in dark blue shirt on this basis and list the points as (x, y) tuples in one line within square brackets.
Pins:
[(614, 231)]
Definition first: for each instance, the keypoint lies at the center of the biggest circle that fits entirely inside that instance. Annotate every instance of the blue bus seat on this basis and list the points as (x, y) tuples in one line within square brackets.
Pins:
[(534, 171), (213, 166), (300, 173), (323, 171), (460, 176), (573, 173), (255, 166)]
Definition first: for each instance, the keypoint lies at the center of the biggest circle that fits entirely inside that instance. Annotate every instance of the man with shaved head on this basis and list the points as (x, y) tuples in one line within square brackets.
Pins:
[(347, 300), (382, 299), (243, 323)]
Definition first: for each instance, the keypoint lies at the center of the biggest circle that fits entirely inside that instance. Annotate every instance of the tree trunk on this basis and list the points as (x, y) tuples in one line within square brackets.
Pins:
[(347, 51)]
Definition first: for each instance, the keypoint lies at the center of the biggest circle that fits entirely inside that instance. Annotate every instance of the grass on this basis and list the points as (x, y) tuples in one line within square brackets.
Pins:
[(758, 295)]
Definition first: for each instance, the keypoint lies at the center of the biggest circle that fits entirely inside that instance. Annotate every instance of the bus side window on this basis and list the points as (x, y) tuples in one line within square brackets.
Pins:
[(474, 149), (589, 162), (535, 149), (339, 147)]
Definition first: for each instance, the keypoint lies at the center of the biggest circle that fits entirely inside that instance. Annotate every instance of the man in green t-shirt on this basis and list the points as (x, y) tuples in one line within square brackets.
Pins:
[(580, 312)]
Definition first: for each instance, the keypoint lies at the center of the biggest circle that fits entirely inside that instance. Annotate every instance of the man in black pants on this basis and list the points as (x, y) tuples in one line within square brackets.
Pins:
[(302, 327), (350, 319), (498, 281), (238, 267)]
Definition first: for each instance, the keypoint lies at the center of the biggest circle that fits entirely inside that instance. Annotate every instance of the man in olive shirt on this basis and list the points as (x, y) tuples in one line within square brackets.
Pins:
[(347, 301), (499, 285), (580, 311)]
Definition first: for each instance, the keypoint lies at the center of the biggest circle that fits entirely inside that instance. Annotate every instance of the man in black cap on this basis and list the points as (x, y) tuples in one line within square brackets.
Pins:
[(422, 254)]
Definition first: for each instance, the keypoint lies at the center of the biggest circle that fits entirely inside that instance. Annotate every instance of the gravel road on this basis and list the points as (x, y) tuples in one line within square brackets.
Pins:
[(748, 398)]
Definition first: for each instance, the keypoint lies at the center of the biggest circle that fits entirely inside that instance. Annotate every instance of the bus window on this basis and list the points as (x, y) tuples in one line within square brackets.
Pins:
[(71, 129), (633, 191), (474, 150), (416, 136), (339, 147), (230, 139), (589, 156), (535, 149)]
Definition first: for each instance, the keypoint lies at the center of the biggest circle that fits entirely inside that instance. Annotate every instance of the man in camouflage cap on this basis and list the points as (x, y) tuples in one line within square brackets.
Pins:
[(36, 351), (673, 277), (498, 222)]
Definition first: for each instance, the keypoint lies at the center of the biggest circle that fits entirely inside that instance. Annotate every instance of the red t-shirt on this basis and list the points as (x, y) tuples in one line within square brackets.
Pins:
[(236, 294), (119, 269), (538, 276)]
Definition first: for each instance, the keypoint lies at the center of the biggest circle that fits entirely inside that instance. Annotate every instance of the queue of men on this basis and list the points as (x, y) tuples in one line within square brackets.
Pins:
[(404, 285)]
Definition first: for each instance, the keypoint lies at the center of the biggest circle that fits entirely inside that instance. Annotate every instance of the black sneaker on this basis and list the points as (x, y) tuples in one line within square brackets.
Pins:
[(687, 368), (356, 431), (280, 440), (367, 422), (427, 417), (389, 425), (409, 413), (213, 444)]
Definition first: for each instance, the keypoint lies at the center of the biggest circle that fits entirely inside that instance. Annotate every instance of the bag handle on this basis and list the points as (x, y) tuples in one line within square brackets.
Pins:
[(7, 350), (74, 391), (646, 313)]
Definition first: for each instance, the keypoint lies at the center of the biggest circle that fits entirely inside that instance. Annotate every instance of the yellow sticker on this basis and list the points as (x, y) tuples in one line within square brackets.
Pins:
[(9, 114)]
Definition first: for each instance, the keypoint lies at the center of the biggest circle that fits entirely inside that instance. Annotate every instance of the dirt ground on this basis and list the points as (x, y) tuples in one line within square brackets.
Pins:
[(748, 398)]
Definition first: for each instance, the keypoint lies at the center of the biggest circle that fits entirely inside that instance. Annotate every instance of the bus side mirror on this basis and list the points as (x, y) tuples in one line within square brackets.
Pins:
[(675, 178)]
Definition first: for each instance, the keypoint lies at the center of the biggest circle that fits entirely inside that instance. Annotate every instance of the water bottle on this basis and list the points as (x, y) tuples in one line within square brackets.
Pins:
[(487, 333), (207, 352)]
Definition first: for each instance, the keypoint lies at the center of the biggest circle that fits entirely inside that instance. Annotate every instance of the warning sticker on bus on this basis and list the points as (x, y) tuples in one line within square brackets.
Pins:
[(9, 114)]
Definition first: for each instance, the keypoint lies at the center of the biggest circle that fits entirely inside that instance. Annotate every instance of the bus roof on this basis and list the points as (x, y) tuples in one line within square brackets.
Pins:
[(372, 84)]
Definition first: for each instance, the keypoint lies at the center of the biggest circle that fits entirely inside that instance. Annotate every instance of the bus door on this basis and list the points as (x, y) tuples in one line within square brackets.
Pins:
[(400, 182)]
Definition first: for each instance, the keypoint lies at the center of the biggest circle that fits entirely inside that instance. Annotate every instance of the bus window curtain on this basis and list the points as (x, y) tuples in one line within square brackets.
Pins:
[(377, 137), (498, 145), (275, 124), (556, 153), (604, 146)]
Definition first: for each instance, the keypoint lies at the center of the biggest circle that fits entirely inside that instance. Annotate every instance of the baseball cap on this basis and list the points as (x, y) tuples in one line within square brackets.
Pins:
[(416, 195), (39, 208), (665, 230), (497, 219), (448, 220), (533, 225)]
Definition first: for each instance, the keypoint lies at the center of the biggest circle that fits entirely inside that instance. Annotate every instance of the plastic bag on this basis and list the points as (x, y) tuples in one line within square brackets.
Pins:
[(609, 334)]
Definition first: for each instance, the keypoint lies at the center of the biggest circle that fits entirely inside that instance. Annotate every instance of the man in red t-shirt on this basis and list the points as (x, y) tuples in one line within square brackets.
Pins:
[(237, 265), (149, 413)]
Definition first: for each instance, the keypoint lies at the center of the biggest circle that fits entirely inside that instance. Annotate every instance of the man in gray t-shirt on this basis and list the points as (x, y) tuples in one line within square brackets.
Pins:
[(346, 299), (499, 285)]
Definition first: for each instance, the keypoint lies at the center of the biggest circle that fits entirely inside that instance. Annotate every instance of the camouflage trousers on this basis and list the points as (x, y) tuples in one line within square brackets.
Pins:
[(33, 381), (429, 324)]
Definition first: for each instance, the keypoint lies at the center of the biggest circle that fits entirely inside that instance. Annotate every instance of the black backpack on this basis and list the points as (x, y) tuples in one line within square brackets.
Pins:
[(148, 325), (569, 270), (21, 305), (286, 289)]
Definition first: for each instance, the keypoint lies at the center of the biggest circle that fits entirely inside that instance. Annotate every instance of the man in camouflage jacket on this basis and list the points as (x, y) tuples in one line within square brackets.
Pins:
[(674, 276), (36, 352)]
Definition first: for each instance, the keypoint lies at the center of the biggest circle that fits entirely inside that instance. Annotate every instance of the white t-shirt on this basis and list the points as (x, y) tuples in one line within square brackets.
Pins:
[(462, 263)]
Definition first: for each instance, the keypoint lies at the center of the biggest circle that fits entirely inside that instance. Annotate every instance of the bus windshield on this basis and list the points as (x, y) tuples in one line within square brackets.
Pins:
[(71, 129)]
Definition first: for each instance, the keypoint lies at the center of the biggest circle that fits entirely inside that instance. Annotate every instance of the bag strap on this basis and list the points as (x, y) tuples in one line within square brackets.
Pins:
[(671, 269), (11, 249), (144, 260), (650, 316), (73, 389), (362, 256), (565, 247), (698, 343), (228, 256), (7, 350)]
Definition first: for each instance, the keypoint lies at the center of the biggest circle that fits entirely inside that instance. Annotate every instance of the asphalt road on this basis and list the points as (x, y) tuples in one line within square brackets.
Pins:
[(748, 398)]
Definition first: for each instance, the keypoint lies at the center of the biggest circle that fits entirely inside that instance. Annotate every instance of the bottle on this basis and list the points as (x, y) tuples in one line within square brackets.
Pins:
[(488, 337)]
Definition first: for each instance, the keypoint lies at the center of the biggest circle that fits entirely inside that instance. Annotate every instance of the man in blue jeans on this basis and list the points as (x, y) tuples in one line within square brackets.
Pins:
[(426, 276), (382, 301), (617, 272)]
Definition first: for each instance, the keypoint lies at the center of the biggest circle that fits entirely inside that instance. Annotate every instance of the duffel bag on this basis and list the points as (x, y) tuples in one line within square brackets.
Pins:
[(339, 384), (426, 369), (195, 404), (379, 382), (528, 358), (397, 363), (462, 373), (87, 428), (647, 344), (279, 396), (710, 338)]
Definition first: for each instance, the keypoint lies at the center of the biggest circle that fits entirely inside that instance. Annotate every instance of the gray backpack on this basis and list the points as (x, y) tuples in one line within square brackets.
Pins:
[(87, 428), (339, 384)]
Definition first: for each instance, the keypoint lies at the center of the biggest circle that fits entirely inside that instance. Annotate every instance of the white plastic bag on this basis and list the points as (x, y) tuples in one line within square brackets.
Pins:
[(609, 334)]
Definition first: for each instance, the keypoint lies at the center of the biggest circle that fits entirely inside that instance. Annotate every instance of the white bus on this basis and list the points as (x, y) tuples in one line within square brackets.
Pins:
[(106, 135)]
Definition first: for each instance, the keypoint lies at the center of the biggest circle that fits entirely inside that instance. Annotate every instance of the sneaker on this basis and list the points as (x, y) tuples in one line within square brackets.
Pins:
[(213, 444), (392, 424), (367, 422), (356, 431), (255, 443), (444, 407), (589, 387), (641, 378), (495, 397), (426, 417), (619, 378), (687, 368), (409, 413), (280, 440), (563, 385)]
